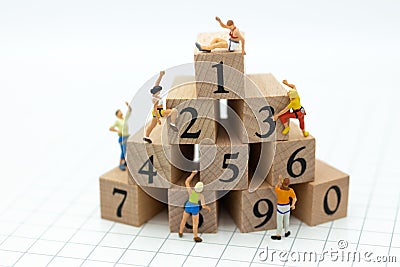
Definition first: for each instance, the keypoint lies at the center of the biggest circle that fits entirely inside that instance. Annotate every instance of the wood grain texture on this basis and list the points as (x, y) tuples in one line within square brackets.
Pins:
[(137, 208), (305, 148), (206, 75), (183, 96), (263, 90), (212, 163), (325, 199), (244, 208), (177, 197), (140, 152)]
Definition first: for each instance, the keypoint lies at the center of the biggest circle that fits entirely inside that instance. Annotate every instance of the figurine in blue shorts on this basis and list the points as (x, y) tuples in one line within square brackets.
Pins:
[(192, 206)]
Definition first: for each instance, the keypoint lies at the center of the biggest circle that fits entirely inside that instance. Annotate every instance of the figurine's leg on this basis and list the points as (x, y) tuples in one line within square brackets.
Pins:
[(301, 121), (216, 43), (150, 128), (172, 113), (185, 216), (122, 157), (284, 119), (286, 223), (195, 219), (279, 226)]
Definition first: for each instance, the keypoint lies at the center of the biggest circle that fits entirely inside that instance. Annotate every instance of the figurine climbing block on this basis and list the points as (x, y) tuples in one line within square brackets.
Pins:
[(264, 96), (196, 116), (294, 158), (325, 199), (224, 165), (252, 211), (150, 164), (219, 74), (208, 221), (125, 203)]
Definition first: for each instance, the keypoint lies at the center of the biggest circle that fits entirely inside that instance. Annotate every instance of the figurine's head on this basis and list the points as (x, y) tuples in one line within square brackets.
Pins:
[(119, 114), (230, 24), (292, 94), (199, 187), (156, 89), (286, 182)]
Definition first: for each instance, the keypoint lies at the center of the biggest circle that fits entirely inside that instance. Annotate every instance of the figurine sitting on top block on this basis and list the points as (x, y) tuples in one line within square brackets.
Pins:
[(233, 42), (298, 110), (283, 193)]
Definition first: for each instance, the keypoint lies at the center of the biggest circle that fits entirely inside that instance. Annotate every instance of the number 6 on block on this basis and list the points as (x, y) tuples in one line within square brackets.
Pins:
[(294, 158)]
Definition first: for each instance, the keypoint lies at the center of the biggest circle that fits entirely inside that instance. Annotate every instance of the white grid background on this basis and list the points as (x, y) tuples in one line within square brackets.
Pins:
[(60, 61), (58, 224)]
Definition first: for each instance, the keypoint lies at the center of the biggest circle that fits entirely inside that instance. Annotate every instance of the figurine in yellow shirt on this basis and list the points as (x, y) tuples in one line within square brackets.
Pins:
[(283, 193), (192, 206), (295, 106), (121, 127)]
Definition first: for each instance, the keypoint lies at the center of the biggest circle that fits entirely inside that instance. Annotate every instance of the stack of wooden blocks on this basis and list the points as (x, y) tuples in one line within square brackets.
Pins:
[(232, 154)]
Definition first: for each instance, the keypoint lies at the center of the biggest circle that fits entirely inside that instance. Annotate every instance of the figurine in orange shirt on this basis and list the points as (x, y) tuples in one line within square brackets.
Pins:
[(296, 107), (283, 193)]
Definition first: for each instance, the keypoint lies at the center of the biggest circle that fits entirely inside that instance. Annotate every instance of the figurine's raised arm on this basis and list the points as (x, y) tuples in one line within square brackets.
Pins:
[(188, 180), (289, 84), (158, 81), (279, 183), (221, 23)]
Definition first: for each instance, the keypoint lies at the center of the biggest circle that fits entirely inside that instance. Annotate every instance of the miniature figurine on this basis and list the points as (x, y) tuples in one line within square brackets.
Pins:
[(158, 110), (283, 193), (233, 42), (121, 127), (192, 206), (298, 110)]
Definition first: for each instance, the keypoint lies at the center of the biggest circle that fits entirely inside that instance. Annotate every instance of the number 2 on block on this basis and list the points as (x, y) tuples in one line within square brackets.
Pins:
[(194, 114)]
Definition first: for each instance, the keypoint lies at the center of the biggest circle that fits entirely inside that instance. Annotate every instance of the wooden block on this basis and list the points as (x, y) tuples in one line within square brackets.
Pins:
[(265, 96), (224, 165), (294, 158), (197, 117), (219, 74), (325, 199), (150, 164), (124, 203), (254, 211), (177, 197)]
